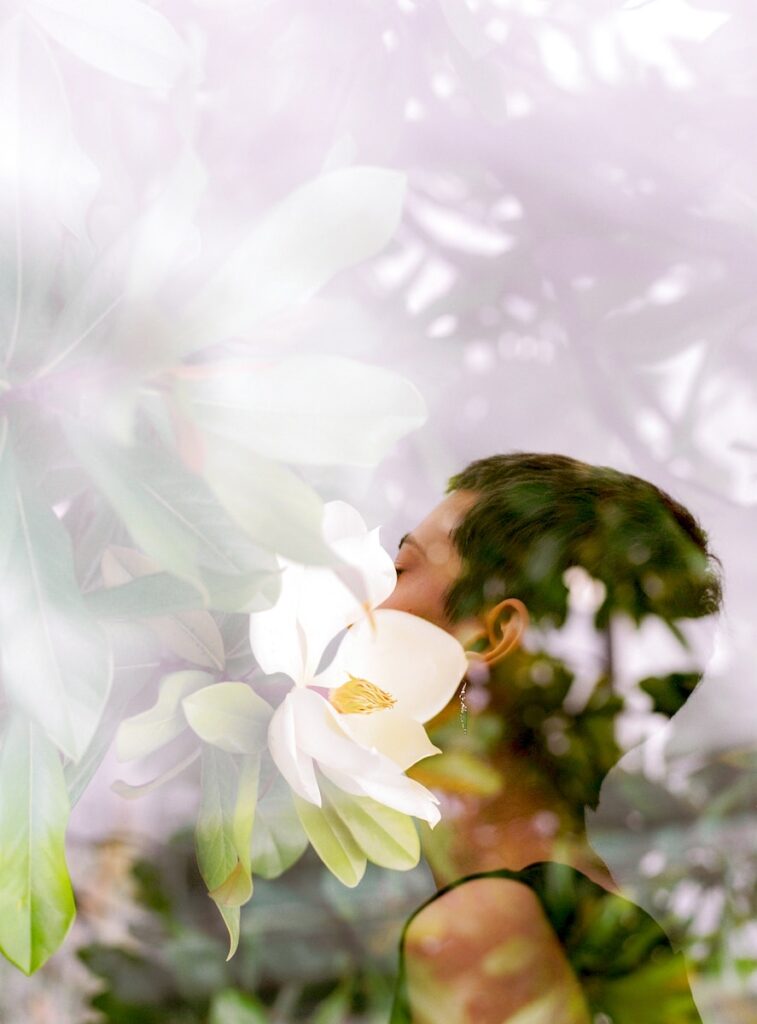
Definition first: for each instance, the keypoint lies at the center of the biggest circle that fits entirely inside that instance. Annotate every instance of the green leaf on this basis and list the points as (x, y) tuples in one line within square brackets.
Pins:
[(233, 1007), (277, 836), (192, 634), (177, 521), (36, 900), (223, 831), (151, 729), (56, 660), (230, 716), (387, 837), (332, 841)]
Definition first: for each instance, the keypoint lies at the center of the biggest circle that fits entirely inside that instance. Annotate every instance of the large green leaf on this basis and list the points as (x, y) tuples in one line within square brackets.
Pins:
[(331, 840), (55, 659), (177, 521), (223, 831), (36, 900), (387, 837), (278, 839)]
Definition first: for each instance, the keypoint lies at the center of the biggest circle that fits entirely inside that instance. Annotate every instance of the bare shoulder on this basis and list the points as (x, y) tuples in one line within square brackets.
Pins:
[(486, 952)]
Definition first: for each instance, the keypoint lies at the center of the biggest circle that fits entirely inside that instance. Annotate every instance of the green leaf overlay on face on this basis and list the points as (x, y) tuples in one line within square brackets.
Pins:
[(36, 899)]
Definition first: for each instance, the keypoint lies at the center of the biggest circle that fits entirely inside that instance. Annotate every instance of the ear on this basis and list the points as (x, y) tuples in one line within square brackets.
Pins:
[(504, 636)]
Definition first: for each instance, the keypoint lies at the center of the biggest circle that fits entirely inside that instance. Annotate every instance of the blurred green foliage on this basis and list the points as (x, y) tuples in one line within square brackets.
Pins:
[(310, 950)]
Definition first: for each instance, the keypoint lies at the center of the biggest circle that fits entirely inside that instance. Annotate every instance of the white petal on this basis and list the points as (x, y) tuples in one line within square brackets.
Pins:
[(320, 734), (342, 521), (418, 663), (296, 766), (393, 733), (391, 789), (274, 637), (318, 601)]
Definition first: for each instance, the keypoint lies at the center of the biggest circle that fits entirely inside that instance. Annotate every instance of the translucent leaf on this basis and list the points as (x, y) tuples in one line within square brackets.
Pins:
[(134, 792), (36, 900), (277, 836), (128, 40), (146, 732), (192, 634), (56, 662), (176, 520), (35, 199), (223, 831), (387, 837), (143, 598), (333, 222), (136, 664), (230, 716), (332, 841), (274, 506), (308, 409)]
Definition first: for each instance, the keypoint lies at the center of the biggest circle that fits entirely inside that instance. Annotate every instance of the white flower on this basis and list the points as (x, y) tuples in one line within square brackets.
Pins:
[(359, 721)]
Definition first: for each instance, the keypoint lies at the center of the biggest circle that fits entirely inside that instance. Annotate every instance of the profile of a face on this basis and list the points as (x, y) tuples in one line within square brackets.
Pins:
[(428, 563)]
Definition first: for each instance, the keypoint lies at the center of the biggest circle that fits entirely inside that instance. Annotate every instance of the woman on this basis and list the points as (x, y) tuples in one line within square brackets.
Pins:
[(528, 928)]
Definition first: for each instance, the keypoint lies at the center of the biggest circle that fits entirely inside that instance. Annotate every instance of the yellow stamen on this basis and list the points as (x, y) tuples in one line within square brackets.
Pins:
[(358, 696)]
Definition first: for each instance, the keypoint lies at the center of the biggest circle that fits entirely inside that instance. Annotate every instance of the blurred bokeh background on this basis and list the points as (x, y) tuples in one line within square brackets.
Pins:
[(573, 272)]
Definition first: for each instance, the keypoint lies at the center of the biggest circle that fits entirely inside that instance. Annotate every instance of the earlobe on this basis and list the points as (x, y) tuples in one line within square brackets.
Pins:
[(503, 637)]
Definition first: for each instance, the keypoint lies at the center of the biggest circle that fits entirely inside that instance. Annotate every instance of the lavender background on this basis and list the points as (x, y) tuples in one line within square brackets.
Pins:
[(572, 272)]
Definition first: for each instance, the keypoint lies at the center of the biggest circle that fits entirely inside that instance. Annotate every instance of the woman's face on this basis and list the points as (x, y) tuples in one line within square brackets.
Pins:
[(428, 563)]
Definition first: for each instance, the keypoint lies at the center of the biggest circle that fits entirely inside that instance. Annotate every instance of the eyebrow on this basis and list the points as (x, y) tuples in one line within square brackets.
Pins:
[(408, 538)]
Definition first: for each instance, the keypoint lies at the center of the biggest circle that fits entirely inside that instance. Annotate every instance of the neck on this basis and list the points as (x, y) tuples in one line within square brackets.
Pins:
[(524, 823)]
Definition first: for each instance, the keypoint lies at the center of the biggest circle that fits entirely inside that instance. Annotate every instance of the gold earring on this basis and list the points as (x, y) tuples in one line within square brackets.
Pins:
[(511, 632)]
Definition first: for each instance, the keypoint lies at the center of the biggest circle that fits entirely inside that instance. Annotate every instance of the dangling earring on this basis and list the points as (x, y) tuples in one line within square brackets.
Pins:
[(463, 708)]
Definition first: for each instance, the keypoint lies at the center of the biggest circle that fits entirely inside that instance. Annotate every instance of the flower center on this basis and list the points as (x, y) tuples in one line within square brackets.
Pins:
[(358, 696)]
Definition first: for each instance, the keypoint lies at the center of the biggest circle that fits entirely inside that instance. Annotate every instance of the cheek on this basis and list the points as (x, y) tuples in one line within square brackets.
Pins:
[(421, 597)]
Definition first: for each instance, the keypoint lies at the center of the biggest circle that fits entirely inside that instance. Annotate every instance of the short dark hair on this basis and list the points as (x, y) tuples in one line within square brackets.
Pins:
[(539, 514)]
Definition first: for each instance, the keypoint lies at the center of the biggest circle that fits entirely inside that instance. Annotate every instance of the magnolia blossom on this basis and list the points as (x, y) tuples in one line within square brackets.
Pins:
[(359, 721)]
